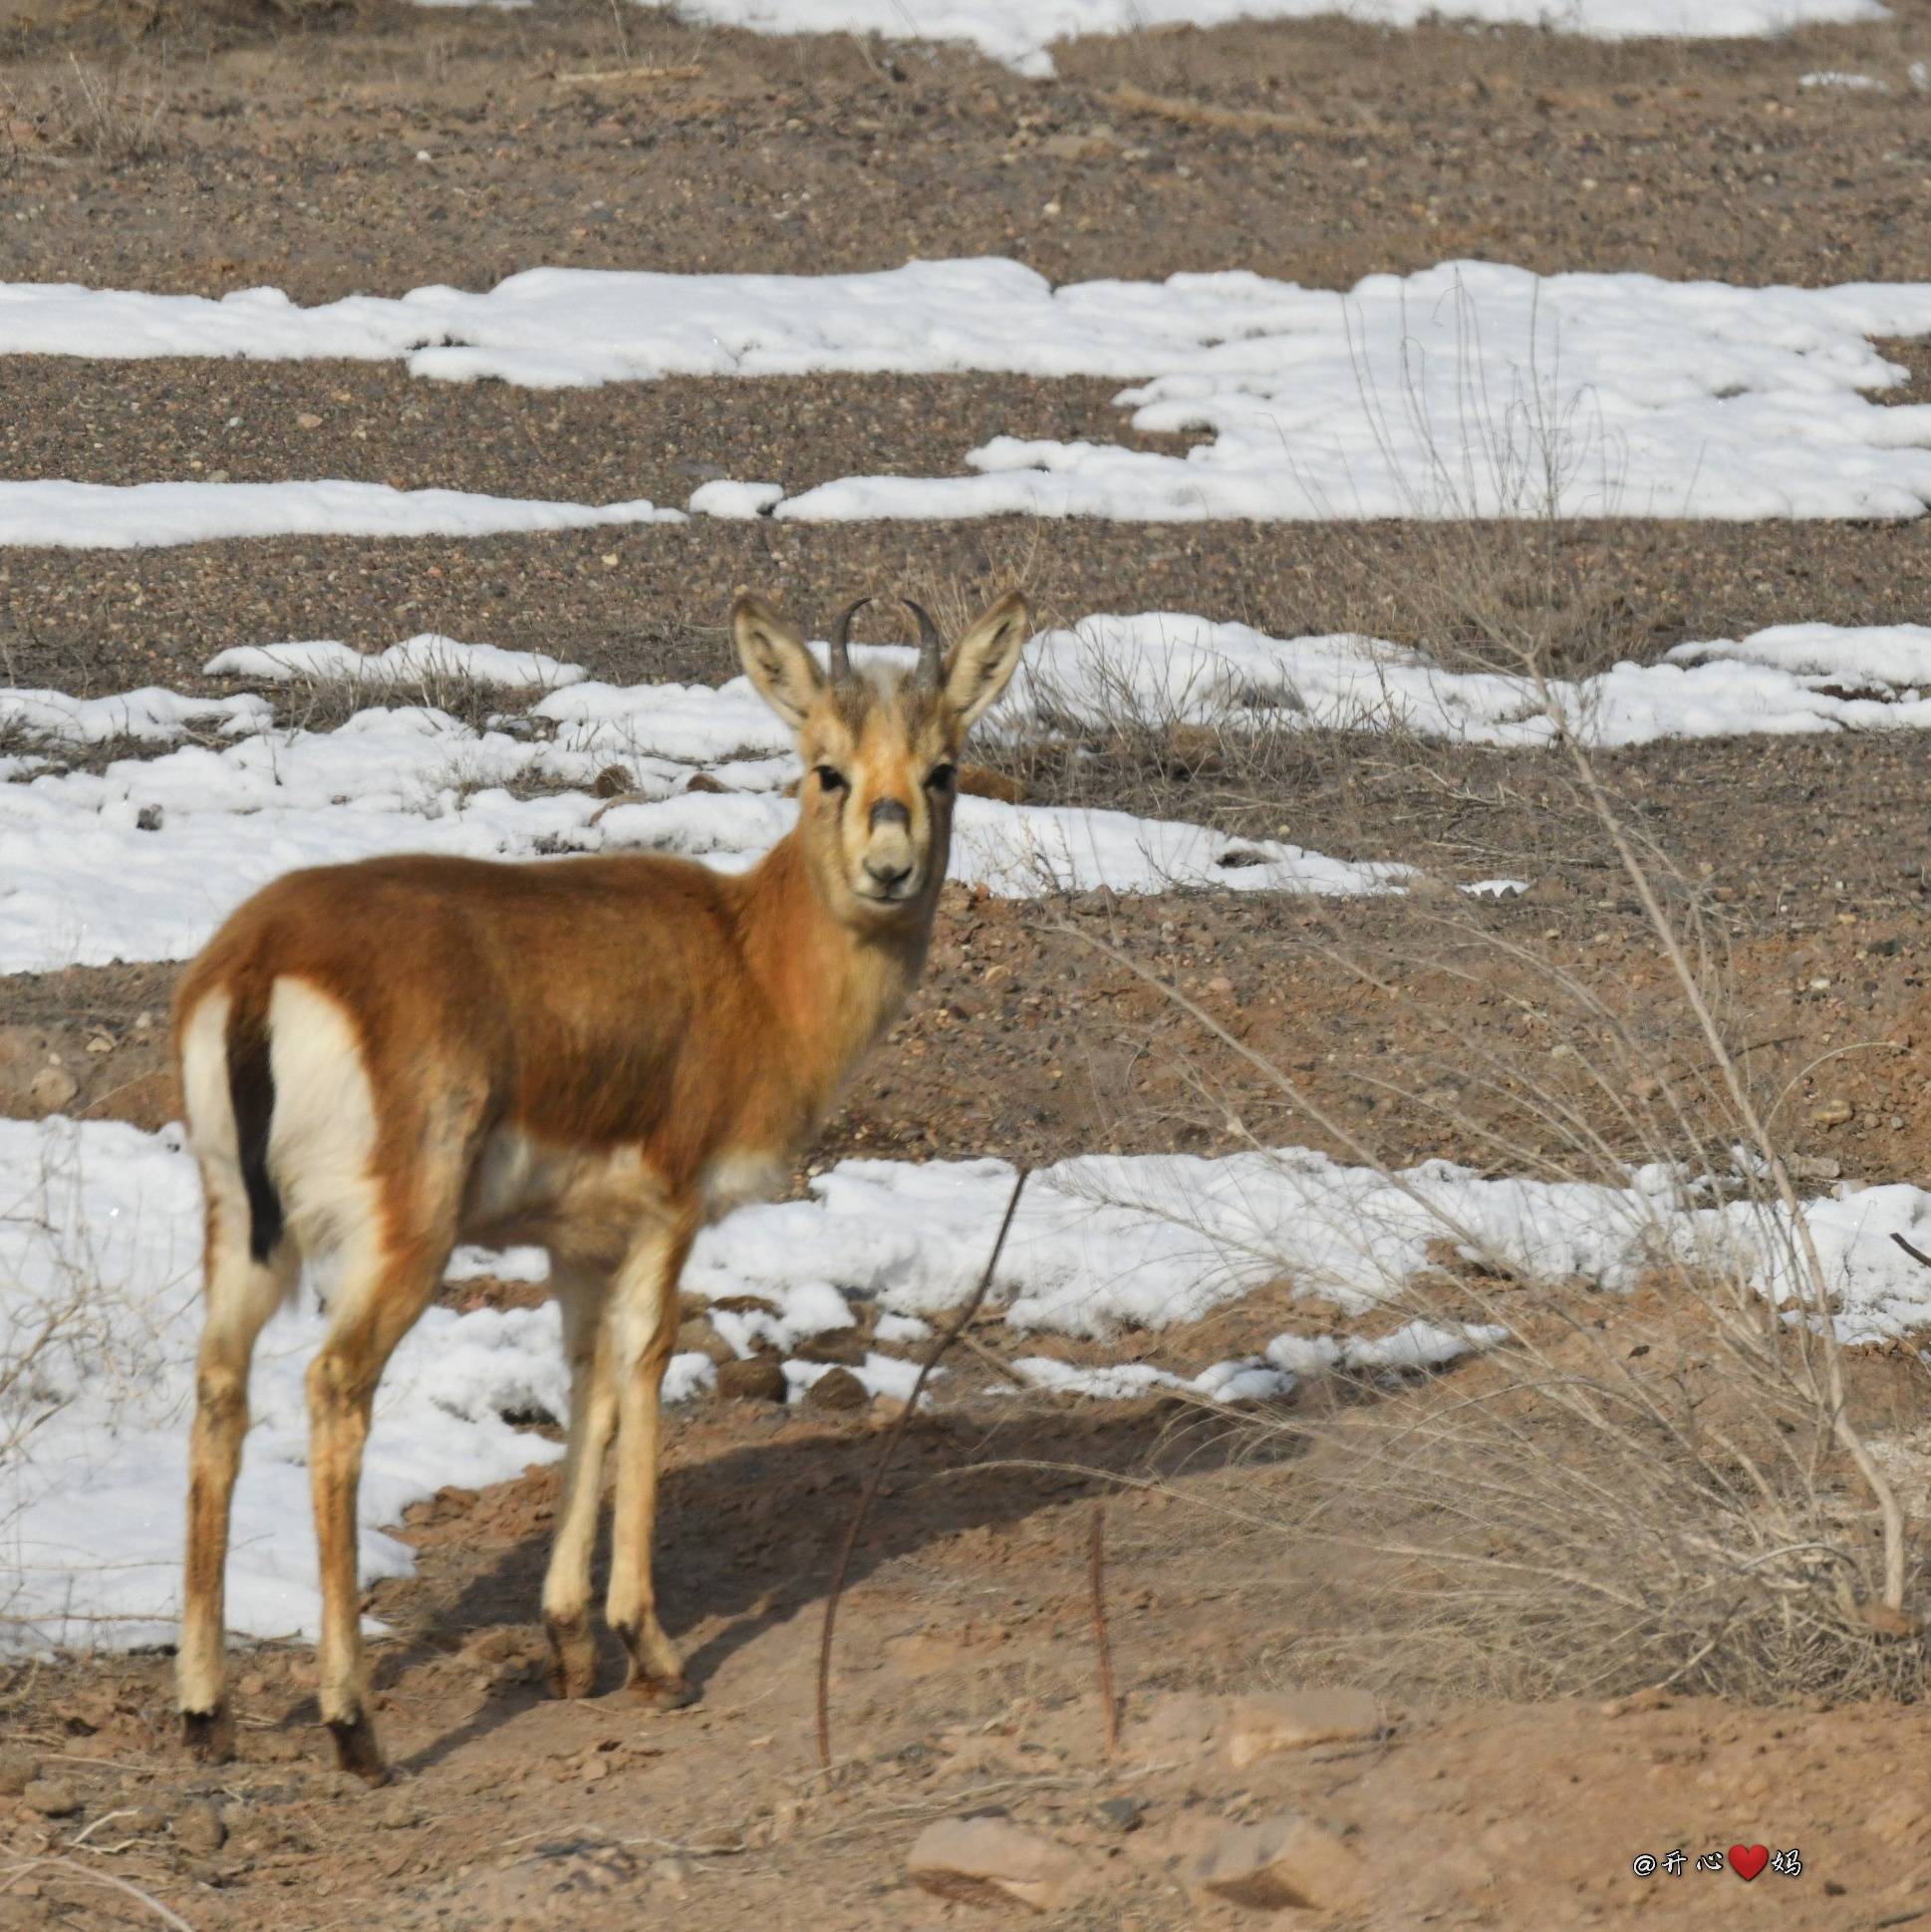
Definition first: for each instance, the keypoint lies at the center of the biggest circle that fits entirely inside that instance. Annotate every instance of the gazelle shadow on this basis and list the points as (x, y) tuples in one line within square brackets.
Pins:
[(751, 1536)]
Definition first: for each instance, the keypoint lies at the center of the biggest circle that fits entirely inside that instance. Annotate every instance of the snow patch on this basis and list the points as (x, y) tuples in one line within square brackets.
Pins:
[(64, 515), (1019, 32), (1451, 392), (428, 658)]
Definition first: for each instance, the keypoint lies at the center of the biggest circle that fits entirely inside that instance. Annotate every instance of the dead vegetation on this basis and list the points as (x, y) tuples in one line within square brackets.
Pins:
[(1663, 1476), (111, 111)]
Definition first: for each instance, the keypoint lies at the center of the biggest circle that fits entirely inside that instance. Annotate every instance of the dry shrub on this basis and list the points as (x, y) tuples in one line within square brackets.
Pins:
[(109, 110), (1662, 1476)]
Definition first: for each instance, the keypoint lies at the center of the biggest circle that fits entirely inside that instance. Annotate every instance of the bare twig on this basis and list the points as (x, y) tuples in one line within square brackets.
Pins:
[(89, 1876), (1096, 1550), (884, 1463), (594, 77), (1916, 1254)]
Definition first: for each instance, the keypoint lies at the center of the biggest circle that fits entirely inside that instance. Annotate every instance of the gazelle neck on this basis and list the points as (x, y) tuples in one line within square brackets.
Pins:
[(833, 987)]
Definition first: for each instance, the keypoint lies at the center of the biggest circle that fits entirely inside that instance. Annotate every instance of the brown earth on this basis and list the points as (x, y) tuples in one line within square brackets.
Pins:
[(964, 1682), (240, 146)]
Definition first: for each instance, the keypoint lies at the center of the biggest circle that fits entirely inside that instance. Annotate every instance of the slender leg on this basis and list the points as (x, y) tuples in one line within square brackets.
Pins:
[(241, 1294), (378, 1302), (593, 1420), (643, 1329)]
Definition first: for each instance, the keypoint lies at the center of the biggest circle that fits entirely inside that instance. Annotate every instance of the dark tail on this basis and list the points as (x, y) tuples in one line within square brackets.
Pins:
[(251, 1091)]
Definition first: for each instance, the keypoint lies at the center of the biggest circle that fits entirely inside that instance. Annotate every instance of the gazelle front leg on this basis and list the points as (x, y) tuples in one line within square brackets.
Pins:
[(593, 1420), (643, 1329)]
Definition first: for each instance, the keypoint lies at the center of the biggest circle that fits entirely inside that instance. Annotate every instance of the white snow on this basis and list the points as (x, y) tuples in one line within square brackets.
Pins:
[(150, 714), (425, 658), (126, 516), (1471, 388), (1106, 1243), (1162, 665), (736, 500), (91, 1505), (1475, 388), (142, 860), (1019, 32), (1829, 77), (92, 1508), (82, 882)]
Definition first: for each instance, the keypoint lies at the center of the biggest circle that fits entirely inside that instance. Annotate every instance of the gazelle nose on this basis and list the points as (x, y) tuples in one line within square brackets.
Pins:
[(887, 872)]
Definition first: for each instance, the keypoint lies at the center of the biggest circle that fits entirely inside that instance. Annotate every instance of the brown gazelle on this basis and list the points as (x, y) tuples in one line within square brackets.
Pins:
[(594, 1054)]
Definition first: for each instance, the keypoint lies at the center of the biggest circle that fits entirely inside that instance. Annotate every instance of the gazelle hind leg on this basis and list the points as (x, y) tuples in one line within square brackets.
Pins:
[(379, 1297), (241, 1294), (643, 1328), (593, 1420)]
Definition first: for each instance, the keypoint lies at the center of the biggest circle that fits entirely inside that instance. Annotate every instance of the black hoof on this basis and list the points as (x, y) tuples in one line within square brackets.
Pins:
[(662, 1693), (209, 1736), (572, 1669), (356, 1749)]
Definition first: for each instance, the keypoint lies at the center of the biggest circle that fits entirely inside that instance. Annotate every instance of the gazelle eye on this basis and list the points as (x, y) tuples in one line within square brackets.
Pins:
[(940, 777), (830, 778)]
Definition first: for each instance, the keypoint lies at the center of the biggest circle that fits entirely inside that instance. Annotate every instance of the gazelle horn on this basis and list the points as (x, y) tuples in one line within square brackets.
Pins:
[(838, 650), (932, 646)]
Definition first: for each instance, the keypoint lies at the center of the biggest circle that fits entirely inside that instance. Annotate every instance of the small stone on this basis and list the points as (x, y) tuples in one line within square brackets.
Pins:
[(145, 1819), (985, 1859), (1220, 984), (308, 420), (699, 1337), (1272, 1721), (612, 782), (761, 1379), (1121, 1814), (838, 1390), (1832, 1113), (149, 820), (1285, 1861), (1816, 1166), (51, 1798), (497, 1644), (671, 1875), (17, 1771), (52, 1087), (99, 1043), (841, 1346), (1179, 1724), (702, 781), (198, 1830), (399, 1813), (1900, 1819)]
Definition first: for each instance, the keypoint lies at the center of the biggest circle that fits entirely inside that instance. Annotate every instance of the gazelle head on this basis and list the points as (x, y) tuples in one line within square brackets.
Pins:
[(880, 749)]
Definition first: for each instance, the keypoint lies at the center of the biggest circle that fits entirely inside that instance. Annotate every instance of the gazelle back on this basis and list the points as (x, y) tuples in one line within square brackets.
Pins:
[(598, 1054)]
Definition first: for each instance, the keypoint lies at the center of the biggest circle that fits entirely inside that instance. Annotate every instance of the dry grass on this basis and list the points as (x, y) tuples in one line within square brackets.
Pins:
[(1660, 1477), (111, 111)]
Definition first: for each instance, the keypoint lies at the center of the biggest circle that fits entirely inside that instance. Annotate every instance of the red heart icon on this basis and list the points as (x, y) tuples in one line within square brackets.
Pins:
[(1746, 1861)]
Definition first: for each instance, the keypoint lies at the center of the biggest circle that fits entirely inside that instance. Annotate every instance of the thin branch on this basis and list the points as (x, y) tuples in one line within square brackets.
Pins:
[(884, 1463), (1110, 1703)]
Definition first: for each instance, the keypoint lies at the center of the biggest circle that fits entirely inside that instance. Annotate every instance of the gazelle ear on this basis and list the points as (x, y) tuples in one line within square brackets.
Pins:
[(979, 665), (775, 660)]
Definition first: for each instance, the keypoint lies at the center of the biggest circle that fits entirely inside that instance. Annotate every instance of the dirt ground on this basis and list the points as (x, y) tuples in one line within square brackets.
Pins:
[(381, 147)]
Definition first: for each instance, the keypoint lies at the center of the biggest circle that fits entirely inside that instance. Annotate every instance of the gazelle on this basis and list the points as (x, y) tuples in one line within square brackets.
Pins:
[(596, 1054)]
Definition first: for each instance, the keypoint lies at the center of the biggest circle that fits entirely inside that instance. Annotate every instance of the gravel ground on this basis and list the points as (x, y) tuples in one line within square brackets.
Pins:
[(379, 148)]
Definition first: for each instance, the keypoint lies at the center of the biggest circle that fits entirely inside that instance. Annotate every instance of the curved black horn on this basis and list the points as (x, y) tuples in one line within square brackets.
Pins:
[(841, 664), (932, 646)]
